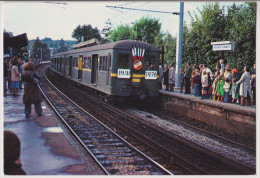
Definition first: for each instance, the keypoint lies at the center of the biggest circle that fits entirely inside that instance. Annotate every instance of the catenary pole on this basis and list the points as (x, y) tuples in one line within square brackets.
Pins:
[(179, 46)]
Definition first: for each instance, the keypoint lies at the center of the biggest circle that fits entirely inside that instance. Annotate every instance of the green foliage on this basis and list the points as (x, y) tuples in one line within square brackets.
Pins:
[(120, 33), (147, 29), (63, 47), (87, 32), (40, 50), (213, 24)]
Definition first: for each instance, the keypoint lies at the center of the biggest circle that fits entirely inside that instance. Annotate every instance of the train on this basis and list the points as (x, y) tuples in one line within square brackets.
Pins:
[(122, 69)]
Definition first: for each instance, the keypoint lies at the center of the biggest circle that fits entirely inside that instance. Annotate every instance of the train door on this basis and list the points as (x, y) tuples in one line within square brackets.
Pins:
[(70, 66), (80, 67), (94, 69)]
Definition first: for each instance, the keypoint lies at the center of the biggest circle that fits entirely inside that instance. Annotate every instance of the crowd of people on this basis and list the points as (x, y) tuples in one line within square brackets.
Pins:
[(19, 74), (224, 85)]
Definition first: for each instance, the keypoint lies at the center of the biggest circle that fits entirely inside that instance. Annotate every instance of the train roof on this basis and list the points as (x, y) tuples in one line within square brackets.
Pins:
[(123, 44)]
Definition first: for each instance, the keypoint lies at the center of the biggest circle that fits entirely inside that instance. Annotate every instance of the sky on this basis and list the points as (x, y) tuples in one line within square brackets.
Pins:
[(56, 21)]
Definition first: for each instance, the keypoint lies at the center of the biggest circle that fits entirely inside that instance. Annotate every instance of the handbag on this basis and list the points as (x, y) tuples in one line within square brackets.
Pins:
[(35, 80)]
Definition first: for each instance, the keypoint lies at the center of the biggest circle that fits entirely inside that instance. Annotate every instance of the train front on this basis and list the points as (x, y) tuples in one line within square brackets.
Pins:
[(141, 74)]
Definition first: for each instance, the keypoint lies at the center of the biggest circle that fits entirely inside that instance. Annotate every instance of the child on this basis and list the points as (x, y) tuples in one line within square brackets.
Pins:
[(204, 82), (234, 91), (221, 91), (215, 88), (196, 80), (227, 90)]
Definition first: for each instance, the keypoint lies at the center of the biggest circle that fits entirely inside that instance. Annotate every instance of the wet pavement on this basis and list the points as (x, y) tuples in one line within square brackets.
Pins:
[(46, 147)]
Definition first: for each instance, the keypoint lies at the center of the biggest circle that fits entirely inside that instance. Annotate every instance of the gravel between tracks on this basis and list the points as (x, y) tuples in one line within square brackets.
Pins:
[(227, 150)]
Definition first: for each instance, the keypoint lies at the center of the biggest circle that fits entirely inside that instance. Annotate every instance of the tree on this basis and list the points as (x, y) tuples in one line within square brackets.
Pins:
[(106, 31), (62, 47), (213, 24), (40, 50), (120, 33), (87, 32), (147, 29)]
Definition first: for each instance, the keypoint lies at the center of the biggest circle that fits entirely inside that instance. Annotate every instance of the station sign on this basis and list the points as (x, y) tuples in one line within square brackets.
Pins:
[(123, 73), (223, 46)]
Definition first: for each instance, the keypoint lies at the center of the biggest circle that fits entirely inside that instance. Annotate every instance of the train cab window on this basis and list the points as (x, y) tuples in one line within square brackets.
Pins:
[(103, 63), (150, 63), (87, 63), (123, 62)]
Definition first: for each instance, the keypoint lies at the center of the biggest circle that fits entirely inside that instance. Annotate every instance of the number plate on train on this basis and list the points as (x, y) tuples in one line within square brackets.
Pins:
[(150, 74), (123, 73)]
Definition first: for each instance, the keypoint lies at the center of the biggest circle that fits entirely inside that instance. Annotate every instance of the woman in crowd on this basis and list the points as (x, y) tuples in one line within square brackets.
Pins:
[(245, 87), (171, 77), (15, 77), (32, 94)]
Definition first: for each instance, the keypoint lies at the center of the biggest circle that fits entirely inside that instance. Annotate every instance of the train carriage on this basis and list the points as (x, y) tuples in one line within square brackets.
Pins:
[(121, 69)]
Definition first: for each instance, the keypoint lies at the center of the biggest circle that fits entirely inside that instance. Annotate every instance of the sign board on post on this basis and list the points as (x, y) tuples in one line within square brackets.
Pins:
[(223, 46)]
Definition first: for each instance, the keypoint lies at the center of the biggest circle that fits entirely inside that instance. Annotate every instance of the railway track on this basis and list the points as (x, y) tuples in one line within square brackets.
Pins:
[(170, 150), (210, 134), (113, 153)]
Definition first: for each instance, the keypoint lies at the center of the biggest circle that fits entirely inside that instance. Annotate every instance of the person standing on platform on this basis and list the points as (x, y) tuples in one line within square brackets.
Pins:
[(221, 90), (12, 150), (5, 74), (194, 69), (182, 79), (160, 76), (253, 84), (171, 77), (204, 82), (32, 94), (15, 77), (221, 62), (187, 76), (197, 81), (245, 87), (166, 77), (234, 91), (20, 63), (227, 90)]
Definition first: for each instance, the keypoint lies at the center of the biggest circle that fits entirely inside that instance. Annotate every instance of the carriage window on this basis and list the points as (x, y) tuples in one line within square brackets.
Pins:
[(87, 62), (67, 62), (103, 63), (75, 62), (123, 62)]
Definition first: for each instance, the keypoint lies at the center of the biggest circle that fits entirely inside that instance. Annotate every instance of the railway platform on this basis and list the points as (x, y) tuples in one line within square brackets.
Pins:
[(47, 148), (231, 117)]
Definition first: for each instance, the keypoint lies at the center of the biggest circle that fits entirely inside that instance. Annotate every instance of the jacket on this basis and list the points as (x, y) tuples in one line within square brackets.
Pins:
[(13, 169), (171, 76), (221, 90), (32, 93), (245, 86), (15, 74), (227, 87), (196, 79), (204, 81)]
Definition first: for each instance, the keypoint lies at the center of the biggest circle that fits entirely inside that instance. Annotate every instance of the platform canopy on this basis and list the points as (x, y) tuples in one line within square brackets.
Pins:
[(16, 41)]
